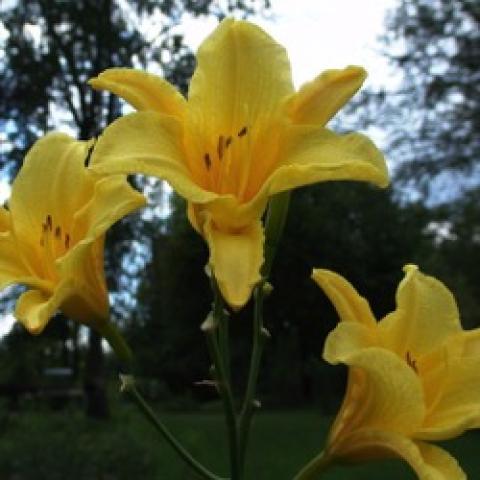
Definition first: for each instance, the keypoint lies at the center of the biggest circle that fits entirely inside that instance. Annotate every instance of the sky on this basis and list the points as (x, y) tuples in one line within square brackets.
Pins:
[(338, 33)]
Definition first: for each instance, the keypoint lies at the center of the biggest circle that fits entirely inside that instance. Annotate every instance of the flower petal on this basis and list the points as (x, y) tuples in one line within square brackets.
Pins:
[(35, 307), (428, 461), (13, 269), (455, 386), (52, 183), (347, 338), (4, 219), (113, 198), (242, 74), (389, 396), (83, 268), (235, 259), (148, 143), (312, 155), (142, 90), (350, 306), (426, 315), (318, 101)]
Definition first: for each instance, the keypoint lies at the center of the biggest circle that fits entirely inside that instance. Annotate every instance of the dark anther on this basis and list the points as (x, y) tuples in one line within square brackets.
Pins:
[(58, 231), (228, 142), (220, 147), (44, 227), (411, 362), (67, 240), (208, 162), (49, 222), (242, 132), (89, 155)]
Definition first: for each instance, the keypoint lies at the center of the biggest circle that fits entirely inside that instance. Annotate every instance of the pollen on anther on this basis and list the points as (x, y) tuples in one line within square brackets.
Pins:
[(411, 362), (242, 132), (208, 161), (58, 231), (49, 222), (67, 241)]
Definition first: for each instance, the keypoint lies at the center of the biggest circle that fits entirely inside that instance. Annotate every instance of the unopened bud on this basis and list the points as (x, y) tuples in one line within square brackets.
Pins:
[(127, 382), (267, 288), (265, 333)]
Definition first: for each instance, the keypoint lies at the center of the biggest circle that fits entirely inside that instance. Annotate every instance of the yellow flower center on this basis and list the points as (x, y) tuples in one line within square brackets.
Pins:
[(55, 242), (226, 162)]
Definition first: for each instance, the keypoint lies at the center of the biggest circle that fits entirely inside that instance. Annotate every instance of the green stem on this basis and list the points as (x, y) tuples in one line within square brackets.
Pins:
[(218, 348), (128, 386), (314, 469), (221, 317), (118, 344), (249, 403)]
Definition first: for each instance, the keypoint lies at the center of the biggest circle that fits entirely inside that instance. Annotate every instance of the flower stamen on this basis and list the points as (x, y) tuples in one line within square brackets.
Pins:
[(411, 361), (242, 132), (207, 160), (220, 146)]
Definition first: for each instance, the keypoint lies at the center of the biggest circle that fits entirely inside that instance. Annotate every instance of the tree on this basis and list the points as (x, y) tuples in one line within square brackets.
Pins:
[(432, 119)]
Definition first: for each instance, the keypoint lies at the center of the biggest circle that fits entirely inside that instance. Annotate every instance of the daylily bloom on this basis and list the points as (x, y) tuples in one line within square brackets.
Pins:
[(52, 235), (242, 136), (414, 376)]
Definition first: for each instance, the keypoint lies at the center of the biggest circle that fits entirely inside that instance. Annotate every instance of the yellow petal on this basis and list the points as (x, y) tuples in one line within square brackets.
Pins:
[(148, 143), (235, 260), (242, 74), (347, 338), (4, 219), (112, 199), (426, 315), (318, 101), (35, 307), (52, 184), (428, 461), (142, 90), (456, 407), (83, 268), (389, 397), (13, 269), (312, 155), (350, 306)]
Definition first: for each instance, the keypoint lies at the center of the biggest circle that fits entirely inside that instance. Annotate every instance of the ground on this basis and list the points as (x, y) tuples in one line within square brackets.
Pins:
[(36, 444)]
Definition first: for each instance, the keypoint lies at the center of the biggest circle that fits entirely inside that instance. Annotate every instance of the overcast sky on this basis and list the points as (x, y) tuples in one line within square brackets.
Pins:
[(320, 34)]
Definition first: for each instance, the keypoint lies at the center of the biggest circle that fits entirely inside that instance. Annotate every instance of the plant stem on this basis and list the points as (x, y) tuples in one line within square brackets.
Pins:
[(118, 344), (128, 386), (219, 352), (249, 405), (314, 469)]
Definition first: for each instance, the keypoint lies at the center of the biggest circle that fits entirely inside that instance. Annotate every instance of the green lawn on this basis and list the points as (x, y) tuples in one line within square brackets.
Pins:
[(43, 445)]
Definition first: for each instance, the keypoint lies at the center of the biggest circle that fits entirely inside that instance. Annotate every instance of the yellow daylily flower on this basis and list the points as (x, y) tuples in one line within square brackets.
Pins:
[(52, 235), (413, 375), (243, 135)]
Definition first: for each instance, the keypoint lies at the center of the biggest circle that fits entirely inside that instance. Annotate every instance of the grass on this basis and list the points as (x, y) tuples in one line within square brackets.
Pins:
[(37, 445)]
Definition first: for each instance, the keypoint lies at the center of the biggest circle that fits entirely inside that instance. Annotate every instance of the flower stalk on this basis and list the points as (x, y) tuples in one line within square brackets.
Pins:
[(314, 469), (216, 330), (129, 387)]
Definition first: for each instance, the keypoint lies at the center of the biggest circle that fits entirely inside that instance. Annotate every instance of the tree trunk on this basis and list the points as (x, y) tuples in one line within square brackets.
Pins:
[(94, 380)]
